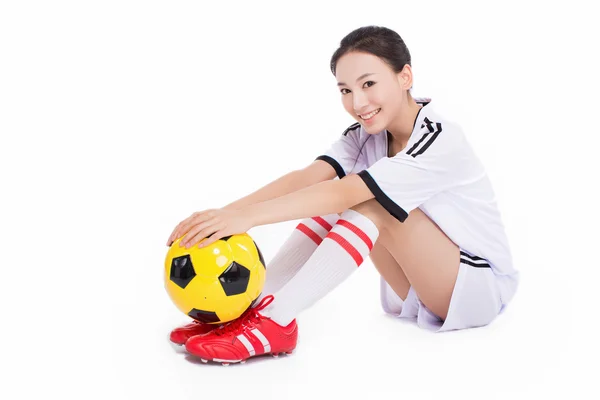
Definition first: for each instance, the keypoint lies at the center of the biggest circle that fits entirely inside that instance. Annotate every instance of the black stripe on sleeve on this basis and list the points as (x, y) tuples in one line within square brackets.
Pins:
[(336, 165), (417, 144), (430, 129), (387, 203), (435, 135)]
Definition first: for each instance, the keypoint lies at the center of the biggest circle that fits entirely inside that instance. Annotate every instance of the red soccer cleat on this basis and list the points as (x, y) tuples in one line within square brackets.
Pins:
[(250, 335), (182, 334)]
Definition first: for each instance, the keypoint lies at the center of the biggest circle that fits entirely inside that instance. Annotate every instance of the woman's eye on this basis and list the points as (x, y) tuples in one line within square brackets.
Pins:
[(369, 83), (346, 91)]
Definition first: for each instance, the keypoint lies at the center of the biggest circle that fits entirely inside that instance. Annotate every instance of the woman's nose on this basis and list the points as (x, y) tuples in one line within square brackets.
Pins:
[(359, 102)]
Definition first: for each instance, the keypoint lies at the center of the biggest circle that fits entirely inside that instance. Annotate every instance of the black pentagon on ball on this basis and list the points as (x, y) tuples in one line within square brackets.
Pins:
[(182, 271), (234, 279), (204, 316), (260, 256), (262, 260)]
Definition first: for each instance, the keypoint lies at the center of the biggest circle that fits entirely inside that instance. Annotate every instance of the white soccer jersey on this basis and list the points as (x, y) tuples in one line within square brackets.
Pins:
[(438, 172)]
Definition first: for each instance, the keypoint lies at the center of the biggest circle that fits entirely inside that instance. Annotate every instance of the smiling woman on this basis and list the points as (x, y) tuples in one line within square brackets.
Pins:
[(411, 194)]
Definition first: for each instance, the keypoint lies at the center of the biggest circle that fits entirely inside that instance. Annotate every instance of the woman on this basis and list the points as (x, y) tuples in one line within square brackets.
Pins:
[(411, 194)]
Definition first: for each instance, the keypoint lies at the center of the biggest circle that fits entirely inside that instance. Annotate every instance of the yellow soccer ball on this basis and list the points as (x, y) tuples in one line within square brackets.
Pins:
[(216, 283)]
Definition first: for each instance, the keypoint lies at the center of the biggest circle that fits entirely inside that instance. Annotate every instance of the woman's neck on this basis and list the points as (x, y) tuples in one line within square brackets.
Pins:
[(402, 126)]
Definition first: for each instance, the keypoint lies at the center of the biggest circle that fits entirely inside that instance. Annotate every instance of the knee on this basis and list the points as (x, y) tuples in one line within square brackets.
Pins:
[(374, 211)]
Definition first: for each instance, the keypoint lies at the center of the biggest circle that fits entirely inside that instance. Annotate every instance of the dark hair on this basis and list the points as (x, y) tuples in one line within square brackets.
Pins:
[(377, 40)]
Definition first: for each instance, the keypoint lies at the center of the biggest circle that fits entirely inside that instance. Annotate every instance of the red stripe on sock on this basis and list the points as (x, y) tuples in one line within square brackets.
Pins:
[(323, 223), (358, 232), (346, 246), (310, 233)]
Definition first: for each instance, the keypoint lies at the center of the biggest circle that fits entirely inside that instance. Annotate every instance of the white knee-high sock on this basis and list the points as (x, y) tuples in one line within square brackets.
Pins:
[(295, 251), (337, 257)]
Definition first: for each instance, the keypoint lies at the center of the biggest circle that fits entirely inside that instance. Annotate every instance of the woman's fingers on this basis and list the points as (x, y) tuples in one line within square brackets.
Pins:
[(193, 233), (176, 232), (209, 230), (172, 235), (216, 236), (184, 226)]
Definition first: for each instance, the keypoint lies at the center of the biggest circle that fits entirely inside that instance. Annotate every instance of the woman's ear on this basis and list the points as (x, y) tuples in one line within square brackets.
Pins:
[(405, 77)]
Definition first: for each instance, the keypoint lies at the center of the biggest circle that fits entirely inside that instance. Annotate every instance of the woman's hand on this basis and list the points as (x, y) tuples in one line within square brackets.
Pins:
[(218, 222)]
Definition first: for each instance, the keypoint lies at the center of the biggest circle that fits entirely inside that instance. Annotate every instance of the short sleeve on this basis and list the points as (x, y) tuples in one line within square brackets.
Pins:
[(343, 154), (435, 159)]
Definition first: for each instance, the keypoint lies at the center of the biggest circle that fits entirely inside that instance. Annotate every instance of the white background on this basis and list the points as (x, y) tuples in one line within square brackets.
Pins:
[(120, 118)]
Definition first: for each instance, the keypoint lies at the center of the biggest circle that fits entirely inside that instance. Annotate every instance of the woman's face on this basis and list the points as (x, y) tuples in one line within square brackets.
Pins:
[(372, 93)]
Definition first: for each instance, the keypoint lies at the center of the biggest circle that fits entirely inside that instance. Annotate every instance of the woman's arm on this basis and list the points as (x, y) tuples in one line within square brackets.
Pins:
[(334, 196), (316, 172)]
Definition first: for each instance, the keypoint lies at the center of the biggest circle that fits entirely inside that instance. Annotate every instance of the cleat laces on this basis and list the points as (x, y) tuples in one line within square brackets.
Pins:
[(248, 318)]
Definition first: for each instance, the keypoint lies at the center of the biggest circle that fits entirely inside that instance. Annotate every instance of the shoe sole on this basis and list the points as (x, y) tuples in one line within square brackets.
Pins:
[(227, 362)]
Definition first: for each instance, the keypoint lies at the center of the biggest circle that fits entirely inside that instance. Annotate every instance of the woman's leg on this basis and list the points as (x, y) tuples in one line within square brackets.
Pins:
[(389, 269), (395, 294), (428, 258), (295, 251), (342, 251)]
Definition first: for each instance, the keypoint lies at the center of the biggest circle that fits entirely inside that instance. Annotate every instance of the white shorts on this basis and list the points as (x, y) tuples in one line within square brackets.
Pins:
[(476, 301)]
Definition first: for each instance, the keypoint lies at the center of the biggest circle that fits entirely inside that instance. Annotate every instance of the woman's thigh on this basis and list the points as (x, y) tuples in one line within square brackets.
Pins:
[(427, 257), (389, 269)]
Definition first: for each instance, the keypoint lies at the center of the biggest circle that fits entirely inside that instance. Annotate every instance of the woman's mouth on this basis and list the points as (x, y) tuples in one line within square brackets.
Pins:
[(369, 116)]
